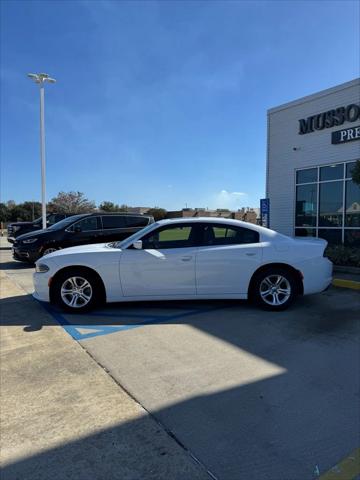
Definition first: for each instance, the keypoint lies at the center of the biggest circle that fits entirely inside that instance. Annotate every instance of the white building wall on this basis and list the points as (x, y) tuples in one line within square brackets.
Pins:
[(312, 149)]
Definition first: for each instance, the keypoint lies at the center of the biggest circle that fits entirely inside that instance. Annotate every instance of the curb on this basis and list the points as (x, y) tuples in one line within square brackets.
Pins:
[(340, 282)]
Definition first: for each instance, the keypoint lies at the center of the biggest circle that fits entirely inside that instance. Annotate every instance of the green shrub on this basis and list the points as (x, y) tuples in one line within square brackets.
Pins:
[(342, 255)]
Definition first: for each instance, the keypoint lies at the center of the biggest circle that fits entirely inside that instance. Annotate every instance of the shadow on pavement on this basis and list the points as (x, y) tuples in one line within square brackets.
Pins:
[(279, 428)]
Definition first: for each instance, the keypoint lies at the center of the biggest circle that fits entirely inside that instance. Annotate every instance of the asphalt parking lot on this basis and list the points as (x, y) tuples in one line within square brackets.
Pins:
[(250, 394)]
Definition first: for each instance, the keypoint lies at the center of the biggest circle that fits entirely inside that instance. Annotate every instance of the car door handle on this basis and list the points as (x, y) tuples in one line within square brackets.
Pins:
[(186, 258), (249, 254)]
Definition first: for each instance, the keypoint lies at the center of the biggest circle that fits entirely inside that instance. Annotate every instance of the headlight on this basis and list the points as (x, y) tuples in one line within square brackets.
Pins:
[(30, 240), (41, 268)]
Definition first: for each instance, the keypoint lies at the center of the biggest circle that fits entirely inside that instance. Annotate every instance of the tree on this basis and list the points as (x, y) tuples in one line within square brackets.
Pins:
[(355, 173), (157, 213), (4, 212), (71, 202), (109, 207)]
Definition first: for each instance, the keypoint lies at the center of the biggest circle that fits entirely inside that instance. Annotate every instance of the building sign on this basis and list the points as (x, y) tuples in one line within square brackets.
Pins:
[(346, 135), (329, 119), (265, 212)]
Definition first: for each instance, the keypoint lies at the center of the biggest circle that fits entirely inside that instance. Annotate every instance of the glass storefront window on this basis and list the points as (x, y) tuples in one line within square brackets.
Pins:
[(352, 238), (331, 204), (306, 176), (352, 204), (332, 235), (349, 167), (332, 172), (305, 232), (306, 205), (328, 204)]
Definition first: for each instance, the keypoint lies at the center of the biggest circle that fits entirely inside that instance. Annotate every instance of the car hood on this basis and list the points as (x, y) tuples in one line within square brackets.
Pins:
[(16, 224), (36, 233), (92, 248)]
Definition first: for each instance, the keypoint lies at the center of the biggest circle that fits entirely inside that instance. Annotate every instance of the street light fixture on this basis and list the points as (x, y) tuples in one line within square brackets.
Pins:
[(41, 79)]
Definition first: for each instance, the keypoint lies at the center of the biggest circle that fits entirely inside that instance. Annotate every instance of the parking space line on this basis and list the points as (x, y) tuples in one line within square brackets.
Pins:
[(83, 332), (341, 282), (347, 469)]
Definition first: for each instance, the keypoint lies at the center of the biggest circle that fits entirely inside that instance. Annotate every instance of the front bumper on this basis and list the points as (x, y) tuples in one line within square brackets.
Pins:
[(25, 255), (41, 286)]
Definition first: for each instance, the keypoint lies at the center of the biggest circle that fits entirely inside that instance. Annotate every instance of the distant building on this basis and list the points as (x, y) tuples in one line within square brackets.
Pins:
[(245, 214), (137, 210)]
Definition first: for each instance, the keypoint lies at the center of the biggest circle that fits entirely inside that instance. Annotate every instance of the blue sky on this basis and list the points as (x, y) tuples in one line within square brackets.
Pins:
[(161, 103)]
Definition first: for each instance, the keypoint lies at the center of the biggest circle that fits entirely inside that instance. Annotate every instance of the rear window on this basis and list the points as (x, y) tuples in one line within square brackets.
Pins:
[(114, 221), (218, 234), (137, 221)]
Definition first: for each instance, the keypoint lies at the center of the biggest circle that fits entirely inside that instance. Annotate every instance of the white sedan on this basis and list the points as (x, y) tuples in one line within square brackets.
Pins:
[(202, 258)]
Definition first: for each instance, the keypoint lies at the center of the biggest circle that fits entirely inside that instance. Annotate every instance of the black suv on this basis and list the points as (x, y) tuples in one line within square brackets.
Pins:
[(16, 229), (78, 230)]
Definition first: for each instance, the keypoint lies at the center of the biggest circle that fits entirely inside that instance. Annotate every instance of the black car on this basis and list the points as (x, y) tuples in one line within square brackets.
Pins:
[(16, 229), (78, 230)]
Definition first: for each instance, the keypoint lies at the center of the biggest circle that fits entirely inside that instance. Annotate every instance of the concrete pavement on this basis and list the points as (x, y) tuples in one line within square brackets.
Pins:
[(63, 416)]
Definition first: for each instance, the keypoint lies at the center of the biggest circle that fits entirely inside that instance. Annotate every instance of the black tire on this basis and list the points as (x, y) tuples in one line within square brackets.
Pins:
[(65, 281), (49, 247), (276, 300)]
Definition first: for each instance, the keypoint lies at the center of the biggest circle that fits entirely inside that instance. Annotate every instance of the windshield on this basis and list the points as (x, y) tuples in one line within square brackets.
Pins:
[(64, 223), (133, 237)]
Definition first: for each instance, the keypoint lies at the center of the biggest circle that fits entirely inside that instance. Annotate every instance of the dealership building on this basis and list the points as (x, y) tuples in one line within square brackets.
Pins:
[(312, 146)]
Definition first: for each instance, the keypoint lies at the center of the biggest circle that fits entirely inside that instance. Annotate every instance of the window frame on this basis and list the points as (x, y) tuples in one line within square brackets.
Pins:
[(201, 242), (344, 179), (194, 225), (101, 216), (71, 228)]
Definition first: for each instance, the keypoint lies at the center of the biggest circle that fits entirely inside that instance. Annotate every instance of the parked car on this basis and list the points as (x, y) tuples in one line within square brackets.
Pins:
[(202, 258), (16, 229), (78, 230)]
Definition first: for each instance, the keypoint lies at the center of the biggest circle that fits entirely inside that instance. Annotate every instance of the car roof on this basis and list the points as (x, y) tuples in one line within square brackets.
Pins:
[(94, 214), (266, 232)]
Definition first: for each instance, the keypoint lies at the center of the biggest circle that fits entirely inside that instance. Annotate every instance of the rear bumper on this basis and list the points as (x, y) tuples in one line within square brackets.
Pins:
[(318, 275)]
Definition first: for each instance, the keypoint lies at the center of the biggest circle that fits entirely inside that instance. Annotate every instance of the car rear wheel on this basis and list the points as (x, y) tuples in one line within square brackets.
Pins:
[(274, 289), (77, 291)]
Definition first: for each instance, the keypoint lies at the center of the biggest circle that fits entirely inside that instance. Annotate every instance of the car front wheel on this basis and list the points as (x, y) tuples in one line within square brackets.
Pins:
[(274, 289), (77, 291)]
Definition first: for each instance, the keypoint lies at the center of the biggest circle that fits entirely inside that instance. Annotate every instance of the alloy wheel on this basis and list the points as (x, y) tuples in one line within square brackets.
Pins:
[(275, 290), (76, 292)]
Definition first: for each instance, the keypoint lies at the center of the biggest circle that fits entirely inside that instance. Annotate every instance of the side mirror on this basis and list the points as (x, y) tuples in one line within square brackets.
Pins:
[(137, 245)]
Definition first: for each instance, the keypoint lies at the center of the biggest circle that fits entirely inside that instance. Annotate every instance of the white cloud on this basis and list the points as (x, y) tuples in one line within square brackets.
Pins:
[(230, 200)]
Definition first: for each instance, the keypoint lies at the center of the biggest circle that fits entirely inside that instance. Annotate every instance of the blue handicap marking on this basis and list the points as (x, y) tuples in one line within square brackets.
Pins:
[(82, 332)]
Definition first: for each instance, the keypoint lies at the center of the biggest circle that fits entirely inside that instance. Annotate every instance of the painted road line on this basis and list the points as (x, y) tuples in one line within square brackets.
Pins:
[(340, 282), (347, 469)]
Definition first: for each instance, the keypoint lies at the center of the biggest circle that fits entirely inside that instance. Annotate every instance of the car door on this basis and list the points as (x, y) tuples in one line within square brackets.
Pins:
[(114, 228), (226, 259), (165, 266), (85, 231)]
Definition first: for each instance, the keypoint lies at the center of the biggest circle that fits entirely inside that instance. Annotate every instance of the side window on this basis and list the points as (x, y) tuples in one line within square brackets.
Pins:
[(85, 225), (113, 221), (174, 236), (228, 235), (51, 219), (137, 221)]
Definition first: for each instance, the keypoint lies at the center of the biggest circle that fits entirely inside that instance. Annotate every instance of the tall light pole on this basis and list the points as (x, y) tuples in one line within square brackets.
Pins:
[(41, 79)]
